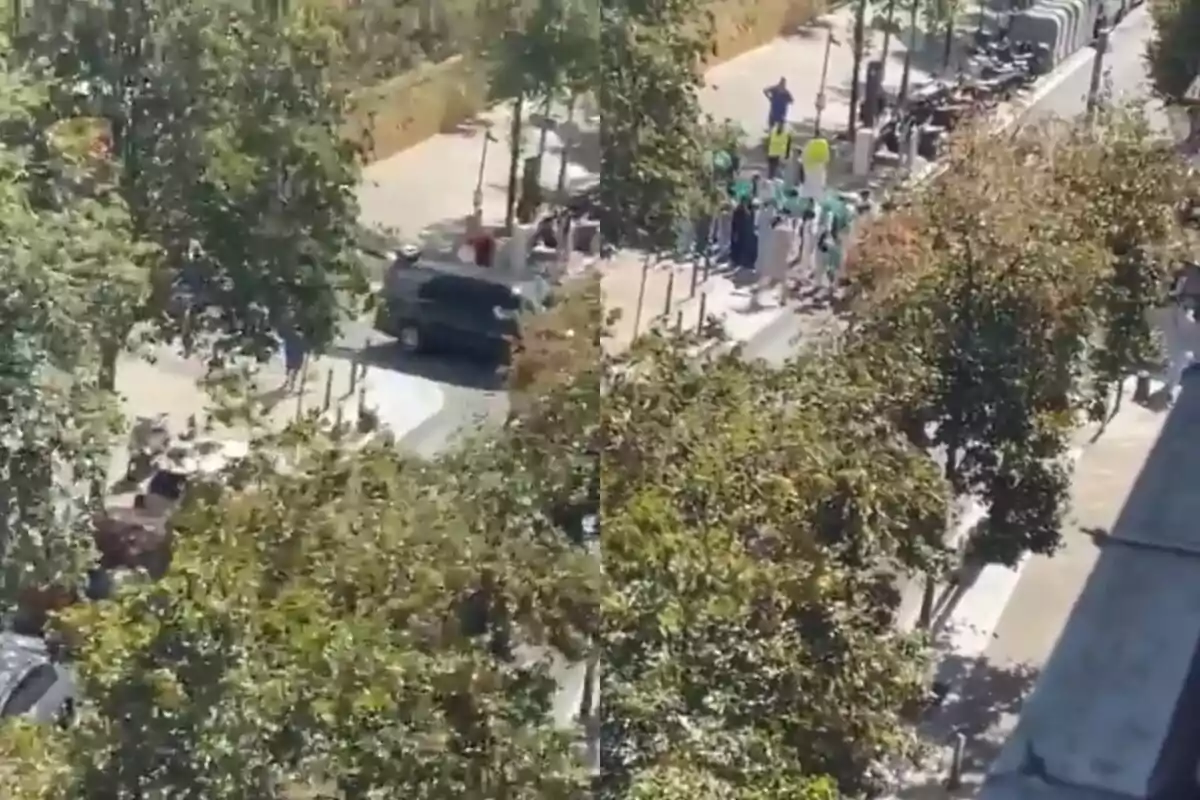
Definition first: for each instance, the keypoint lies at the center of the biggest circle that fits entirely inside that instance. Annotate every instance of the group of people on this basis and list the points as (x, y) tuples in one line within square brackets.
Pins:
[(773, 222)]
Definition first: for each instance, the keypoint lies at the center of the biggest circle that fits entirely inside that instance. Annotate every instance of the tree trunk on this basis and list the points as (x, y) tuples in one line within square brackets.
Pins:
[(514, 164), (109, 352), (545, 132), (929, 590), (889, 21), (860, 44), (560, 187), (928, 596), (913, 12), (948, 43)]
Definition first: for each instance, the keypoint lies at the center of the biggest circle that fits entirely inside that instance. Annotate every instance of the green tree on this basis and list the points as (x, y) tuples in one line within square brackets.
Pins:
[(1134, 183), (1171, 53), (225, 129), (60, 267), (546, 51), (754, 525), (984, 331), (654, 154), (858, 45), (359, 625)]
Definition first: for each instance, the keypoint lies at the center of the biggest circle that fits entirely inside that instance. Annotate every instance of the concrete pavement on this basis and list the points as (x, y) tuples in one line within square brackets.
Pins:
[(1114, 710)]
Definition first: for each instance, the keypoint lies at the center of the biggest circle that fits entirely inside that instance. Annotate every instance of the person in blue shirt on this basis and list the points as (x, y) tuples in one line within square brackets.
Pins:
[(779, 100)]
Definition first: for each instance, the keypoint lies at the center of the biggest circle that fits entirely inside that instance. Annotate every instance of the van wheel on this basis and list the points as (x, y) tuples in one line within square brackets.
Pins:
[(410, 338)]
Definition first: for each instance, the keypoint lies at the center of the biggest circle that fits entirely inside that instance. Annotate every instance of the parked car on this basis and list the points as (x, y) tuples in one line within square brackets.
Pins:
[(32, 683), (455, 307)]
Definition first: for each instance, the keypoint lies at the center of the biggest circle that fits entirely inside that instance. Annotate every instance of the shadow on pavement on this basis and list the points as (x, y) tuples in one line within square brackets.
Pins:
[(1117, 704), (449, 369), (986, 694)]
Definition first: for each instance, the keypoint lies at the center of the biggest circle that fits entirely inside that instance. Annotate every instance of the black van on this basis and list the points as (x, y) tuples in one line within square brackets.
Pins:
[(456, 307)]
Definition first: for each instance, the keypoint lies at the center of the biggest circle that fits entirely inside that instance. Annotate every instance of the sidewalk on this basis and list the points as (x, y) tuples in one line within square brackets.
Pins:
[(424, 194), (1014, 651), (734, 91), (169, 386)]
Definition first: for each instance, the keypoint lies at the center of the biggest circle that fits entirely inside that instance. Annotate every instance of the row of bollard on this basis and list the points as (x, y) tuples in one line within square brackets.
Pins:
[(358, 375)]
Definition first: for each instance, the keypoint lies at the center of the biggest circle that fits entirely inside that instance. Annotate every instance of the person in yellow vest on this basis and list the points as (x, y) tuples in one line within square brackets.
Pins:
[(779, 147)]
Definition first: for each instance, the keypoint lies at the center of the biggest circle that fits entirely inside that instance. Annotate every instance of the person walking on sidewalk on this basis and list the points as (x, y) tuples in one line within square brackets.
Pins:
[(294, 355), (779, 147), (779, 100)]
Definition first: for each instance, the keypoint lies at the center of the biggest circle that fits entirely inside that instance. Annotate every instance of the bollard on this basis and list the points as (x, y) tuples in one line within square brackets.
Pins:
[(338, 420), (703, 303), (637, 312), (353, 377), (678, 322), (1141, 389), (328, 400), (954, 779), (670, 291)]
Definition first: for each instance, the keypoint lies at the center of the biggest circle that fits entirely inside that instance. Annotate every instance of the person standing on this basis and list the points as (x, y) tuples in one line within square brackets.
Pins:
[(293, 359), (779, 147), (779, 100), (1179, 337)]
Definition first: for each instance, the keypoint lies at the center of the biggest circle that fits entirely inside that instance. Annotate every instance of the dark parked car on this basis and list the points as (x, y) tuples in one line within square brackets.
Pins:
[(32, 684), (455, 307)]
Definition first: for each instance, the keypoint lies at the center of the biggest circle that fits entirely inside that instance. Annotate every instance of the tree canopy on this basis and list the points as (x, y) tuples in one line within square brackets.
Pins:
[(63, 268), (1171, 53), (1012, 291), (658, 162), (755, 524), (358, 623), (225, 132)]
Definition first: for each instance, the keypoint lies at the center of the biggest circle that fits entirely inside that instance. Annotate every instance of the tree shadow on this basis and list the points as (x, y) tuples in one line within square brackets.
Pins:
[(982, 704), (445, 368)]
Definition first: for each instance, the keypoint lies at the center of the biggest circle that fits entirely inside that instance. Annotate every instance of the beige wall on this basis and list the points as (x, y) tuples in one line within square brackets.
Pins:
[(410, 108), (396, 115)]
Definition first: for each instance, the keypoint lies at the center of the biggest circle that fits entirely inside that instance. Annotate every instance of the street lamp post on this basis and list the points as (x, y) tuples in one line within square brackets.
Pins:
[(477, 198), (829, 43)]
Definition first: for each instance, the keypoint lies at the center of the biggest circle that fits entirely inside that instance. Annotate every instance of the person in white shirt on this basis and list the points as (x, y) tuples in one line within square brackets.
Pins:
[(1179, 336)]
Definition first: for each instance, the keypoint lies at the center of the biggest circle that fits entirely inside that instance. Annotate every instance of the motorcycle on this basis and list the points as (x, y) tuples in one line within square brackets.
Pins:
[(149, 438)]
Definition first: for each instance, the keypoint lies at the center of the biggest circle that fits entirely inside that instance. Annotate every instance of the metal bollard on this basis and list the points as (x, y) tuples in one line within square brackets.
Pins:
[(678, 322), (700, 318), (670, 292), (1141, 389), (328, 400), (954, 779), (353, 376)]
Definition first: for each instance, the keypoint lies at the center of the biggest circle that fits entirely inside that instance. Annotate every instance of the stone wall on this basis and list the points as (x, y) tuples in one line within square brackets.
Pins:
[(743, 25), (410, 108)]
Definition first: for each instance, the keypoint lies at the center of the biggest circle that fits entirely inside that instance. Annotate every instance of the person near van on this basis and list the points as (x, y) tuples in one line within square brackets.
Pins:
[(483, 247), (779, 147)]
